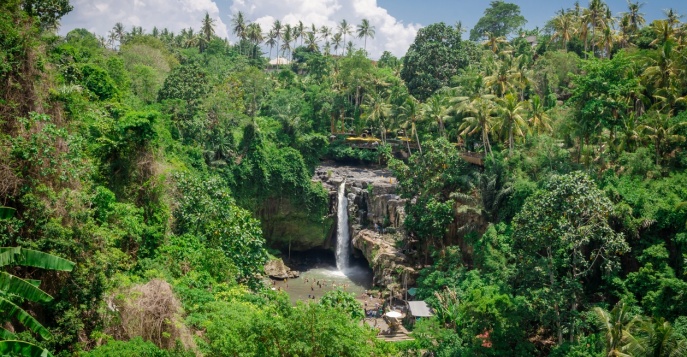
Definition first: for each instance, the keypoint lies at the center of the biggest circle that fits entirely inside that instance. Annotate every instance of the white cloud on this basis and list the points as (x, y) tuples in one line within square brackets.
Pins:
[(99, 16), (391, 35)]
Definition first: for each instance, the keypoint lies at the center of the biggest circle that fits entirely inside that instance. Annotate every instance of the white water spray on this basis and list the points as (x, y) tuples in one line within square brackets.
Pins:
[(342, 235)]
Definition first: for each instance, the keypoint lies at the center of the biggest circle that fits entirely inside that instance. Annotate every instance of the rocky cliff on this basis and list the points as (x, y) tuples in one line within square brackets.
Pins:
[(376, 215)]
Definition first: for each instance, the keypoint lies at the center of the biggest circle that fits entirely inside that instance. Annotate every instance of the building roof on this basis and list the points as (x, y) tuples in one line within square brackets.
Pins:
[(419, 309), (280, 60)]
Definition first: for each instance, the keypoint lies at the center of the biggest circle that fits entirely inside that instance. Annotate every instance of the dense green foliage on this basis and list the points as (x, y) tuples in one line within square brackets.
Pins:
[(544, 184)]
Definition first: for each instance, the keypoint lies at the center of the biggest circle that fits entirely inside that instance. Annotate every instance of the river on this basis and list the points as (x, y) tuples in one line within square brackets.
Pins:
[(320, 266)]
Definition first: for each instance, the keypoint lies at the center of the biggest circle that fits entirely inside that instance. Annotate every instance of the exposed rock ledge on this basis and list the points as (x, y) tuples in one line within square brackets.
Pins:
[(276, 269), (389, 265)]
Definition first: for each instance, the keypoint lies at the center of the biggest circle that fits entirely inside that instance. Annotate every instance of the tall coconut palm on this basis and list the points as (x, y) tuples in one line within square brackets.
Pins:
[(635, 19), (482, 112), (595, 17), (277, 29), (364, 31), (325, 32), (337, 41), (271, 41), (300, 31), (345, 29), (207, 28), (311, 42), (512, 122), (411, 112), (239, 24), (286, 46), (564, 28), (376, 109), (672, 17), (436, 110), (539, 120), (255, 36), (119, 32), (662, 133)]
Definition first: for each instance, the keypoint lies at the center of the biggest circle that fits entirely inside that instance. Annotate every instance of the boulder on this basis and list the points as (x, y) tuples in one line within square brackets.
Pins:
[(276, 269)]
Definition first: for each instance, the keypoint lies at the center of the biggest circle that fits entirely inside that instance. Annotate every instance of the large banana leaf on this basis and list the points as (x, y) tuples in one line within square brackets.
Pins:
[(7, 212), (33, 258), (21, 348), (6, 335), (10, 284), (10, 310)]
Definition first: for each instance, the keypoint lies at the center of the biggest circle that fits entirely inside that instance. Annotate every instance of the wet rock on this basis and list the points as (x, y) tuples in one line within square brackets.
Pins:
[(389, 265), (276, 269)]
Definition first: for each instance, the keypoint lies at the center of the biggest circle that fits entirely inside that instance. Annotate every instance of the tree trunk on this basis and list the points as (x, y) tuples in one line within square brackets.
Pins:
[(552, 280)]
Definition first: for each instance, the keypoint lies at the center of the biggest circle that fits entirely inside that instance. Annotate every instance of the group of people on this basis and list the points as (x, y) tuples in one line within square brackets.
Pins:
[(321, 284)]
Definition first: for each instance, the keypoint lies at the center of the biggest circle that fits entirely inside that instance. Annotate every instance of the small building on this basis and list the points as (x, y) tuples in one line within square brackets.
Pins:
[(417, 310), (279, 61)]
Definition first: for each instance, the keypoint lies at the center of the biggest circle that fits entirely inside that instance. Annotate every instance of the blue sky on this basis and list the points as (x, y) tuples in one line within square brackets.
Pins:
[(537, 13), (396, 21)]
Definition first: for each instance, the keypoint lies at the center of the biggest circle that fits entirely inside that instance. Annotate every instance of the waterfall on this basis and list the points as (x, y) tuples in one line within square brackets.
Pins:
[(342, 237)]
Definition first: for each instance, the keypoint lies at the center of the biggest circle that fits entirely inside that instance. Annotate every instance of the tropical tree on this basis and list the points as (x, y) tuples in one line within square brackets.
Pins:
[(255, 36), (277, 30), (539, 120), (512, 121), (271, 41), (560, 237), (365, 30), (345, 29), (287, 37), (436, 110), (412, 113), (337, 41), (207, 29), (376, 109), (481, 112), (239, 26), (13, 287), (662, 133), (299, 32), (564, 28), (617, 326), (633, 18)]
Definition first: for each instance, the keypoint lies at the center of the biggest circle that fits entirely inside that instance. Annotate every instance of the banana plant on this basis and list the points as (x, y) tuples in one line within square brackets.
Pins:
[(13, 286)]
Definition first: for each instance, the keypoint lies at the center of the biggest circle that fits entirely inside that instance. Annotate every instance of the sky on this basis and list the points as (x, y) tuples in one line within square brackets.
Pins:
[(396, 21)]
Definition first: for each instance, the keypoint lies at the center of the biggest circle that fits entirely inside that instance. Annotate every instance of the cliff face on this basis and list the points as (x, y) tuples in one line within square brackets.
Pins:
[(376, 215)]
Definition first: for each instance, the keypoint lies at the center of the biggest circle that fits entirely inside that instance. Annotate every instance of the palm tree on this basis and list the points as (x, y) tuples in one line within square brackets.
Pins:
[(299, 32), (277, 29), (617, 326), (411, 112), (482, 111), (365, 30), (672, 17), (376, 109), (564, 28), (344, 29), (239, 26), (326, 32), (512, 120), (349, 47), (311, 42), (595, 17), (539, 120), (287, 36), (634, 18), (255, 36), (208, 27), (337, 41), (14, 287), (662, 133), (119, 32), (436, 110), (493, 42), (271, 41)]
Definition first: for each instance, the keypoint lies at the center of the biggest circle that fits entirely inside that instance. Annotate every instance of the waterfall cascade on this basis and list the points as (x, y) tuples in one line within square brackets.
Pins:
[(343, 239)]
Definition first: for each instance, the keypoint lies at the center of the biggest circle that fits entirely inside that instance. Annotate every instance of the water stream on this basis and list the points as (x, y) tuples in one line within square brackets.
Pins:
[(343, 239)]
